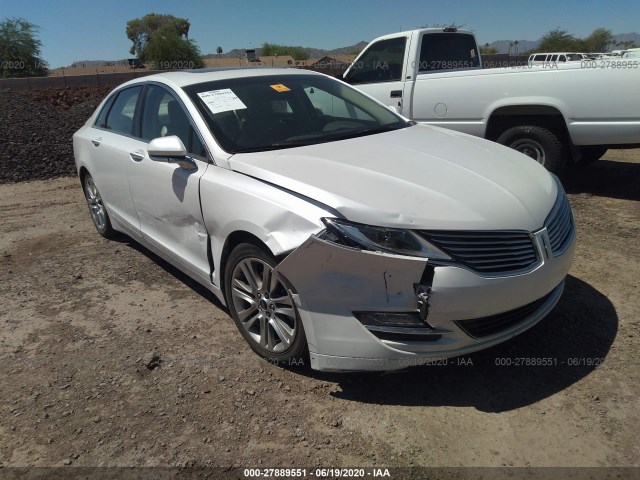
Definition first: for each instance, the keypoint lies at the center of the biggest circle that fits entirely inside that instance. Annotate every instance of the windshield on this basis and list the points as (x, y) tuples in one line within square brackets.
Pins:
[(282, 111)]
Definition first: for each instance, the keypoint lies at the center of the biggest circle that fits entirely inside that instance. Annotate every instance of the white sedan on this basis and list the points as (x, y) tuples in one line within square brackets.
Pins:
[(333, 229)]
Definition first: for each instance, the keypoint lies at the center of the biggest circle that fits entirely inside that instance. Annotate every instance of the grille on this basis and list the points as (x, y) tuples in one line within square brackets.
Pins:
[(490, 252), (560, 225), (486, 326)]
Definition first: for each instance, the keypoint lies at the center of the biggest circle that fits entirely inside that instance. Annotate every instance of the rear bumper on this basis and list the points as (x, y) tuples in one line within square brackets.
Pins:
[(333, 281)]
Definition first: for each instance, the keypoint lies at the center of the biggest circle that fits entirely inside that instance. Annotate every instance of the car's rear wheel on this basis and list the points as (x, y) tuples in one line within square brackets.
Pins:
[(97, 210), (536, 142), (262, 306)]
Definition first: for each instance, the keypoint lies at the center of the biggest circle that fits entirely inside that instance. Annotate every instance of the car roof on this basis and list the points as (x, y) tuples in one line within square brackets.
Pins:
[(183, 78), (555, 53)]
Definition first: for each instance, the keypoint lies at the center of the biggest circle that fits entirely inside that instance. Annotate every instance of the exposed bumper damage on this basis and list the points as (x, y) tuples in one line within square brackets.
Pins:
[(365, 310)]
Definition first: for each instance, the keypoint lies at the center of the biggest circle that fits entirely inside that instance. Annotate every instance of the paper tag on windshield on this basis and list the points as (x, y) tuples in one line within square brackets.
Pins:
[(221, 100), (280, 88)]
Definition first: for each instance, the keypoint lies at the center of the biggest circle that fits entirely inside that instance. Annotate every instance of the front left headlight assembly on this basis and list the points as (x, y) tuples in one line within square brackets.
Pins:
[(380, 239)]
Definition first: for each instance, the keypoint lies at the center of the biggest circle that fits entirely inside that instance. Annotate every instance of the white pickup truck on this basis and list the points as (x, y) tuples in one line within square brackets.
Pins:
[(555, 113)]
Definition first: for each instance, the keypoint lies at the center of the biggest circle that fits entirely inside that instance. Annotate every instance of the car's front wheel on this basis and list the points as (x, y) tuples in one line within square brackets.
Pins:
[(97, 210), (262, 306)]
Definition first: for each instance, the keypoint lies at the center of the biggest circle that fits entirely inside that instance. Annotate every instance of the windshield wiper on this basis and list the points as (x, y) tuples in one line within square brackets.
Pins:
[(261, 148), (313, 139), (362, 132)]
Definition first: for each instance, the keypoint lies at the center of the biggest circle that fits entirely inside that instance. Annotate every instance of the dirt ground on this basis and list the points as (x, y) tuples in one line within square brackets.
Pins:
[(81, 318)]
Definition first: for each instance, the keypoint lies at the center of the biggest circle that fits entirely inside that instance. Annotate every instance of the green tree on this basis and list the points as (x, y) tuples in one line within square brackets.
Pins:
[(272, 49), (219, 51), (560, 41), (600, 40), (164, 41), (626, 45), (20, 50)]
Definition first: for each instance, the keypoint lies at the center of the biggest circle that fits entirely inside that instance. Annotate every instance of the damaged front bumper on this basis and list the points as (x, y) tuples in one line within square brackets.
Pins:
[(364, 310)]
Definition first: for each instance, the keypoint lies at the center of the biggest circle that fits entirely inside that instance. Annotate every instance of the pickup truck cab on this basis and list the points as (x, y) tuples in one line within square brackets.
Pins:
[(554, 115)]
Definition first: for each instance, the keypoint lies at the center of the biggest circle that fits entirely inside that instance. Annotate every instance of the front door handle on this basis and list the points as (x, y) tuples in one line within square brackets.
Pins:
[(96, 142), (396, 93), (136, 156)]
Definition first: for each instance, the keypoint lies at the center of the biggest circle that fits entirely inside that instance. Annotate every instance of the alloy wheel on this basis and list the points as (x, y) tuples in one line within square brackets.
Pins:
[(96, 207), (264, 305)]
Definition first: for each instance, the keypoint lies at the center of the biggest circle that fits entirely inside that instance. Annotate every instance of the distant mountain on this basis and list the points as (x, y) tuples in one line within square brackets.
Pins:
[(502, 46), (358, 47), (312, 52), (628, 37)]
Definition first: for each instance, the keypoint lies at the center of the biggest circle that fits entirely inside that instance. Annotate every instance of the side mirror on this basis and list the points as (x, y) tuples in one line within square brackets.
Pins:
[(170, 149), (170, 146)]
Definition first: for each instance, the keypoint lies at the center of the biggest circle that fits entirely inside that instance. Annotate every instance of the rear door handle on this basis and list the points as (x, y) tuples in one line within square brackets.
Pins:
[(396, 93), (136, 156), (96, 142)]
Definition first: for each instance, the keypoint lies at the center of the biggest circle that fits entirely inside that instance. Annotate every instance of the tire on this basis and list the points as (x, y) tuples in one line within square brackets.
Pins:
[(97, 209), (537, 143), (590, 154), (262, 307)]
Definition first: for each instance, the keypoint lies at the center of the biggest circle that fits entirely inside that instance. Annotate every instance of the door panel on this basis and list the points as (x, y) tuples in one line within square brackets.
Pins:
[(167, 200), (111, 143), (167, 196)]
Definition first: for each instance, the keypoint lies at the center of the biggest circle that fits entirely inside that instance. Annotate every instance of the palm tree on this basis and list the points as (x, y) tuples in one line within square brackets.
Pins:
[(219, 51), (516, 43)]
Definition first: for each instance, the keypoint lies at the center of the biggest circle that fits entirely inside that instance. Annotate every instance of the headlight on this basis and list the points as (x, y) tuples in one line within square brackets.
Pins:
[(380, 239)]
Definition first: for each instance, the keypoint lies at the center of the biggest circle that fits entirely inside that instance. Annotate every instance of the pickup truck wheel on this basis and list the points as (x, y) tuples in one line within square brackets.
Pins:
[(537, 143), (262, 307), (590, 154)]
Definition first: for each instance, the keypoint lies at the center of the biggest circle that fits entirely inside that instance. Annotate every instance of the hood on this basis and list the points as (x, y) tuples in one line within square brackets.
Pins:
[(420, 177)]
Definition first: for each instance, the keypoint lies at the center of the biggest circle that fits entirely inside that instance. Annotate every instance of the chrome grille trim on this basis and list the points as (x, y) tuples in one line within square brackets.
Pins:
[(488, 252), (560, 225)]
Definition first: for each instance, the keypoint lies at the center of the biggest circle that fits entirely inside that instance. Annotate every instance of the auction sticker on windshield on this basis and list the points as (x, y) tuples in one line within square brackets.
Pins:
[(224, 100), (280, 88)]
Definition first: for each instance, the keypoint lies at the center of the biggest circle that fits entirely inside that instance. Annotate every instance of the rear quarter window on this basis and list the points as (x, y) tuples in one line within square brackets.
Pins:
[(101, 120), (119, 118)]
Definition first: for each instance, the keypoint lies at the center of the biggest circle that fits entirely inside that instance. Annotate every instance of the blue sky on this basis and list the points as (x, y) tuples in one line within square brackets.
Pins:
[(73, 30)]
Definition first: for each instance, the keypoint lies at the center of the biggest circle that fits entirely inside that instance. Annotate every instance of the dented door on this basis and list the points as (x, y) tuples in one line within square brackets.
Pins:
[(167, 200)]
